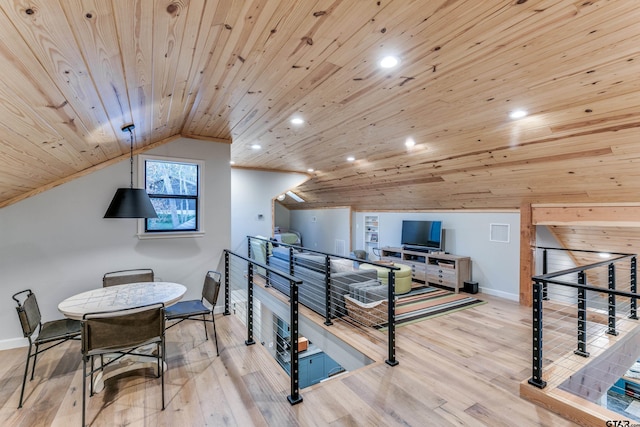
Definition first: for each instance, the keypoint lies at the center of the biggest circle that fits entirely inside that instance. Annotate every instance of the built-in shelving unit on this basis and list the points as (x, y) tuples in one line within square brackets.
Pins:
[(438, 269), (371, 233)]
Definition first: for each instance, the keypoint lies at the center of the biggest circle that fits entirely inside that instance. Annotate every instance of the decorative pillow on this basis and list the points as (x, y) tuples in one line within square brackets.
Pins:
[(341, 265), (315, 262), (282, 253), (375, 293), (355, 289)]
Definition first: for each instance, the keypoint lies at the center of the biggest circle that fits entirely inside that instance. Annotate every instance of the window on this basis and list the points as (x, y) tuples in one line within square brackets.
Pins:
[(175, 188)]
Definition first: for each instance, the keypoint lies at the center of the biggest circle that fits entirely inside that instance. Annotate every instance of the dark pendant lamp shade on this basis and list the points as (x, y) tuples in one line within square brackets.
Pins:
[(131, 202)]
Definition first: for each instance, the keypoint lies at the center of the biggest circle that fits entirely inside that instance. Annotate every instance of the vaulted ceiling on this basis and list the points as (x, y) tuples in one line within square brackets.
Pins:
[(75, 71)]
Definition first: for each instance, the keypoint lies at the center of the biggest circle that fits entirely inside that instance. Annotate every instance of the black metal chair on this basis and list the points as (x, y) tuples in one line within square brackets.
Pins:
[(196, 309), (118, 334), (121, 277), (50, 334)]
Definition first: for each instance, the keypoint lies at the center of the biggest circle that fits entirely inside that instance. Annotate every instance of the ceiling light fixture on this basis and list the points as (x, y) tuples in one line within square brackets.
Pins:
[(231, 162), (281, 197), (409, 142), (351, 159), (295, 197), (310, 170), (297, 121), (389, 62), (130, 202), (518, 114), (256, 147)]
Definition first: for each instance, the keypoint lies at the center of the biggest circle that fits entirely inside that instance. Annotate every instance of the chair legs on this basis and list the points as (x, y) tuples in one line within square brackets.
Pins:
[(26, 372), (204, 323), (35, 359), (215, 333), (162, 370), (84, 388)]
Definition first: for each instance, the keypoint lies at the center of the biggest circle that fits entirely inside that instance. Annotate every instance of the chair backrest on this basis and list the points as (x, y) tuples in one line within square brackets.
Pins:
[(211, 287), (360, 254), (28, 311), (121, 277), (122, 329)]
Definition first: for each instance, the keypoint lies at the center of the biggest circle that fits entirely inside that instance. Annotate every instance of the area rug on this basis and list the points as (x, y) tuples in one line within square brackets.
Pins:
[(426, 302)]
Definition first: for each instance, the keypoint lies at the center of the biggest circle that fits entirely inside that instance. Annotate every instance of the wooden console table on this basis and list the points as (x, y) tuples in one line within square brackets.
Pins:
[(446, 270)]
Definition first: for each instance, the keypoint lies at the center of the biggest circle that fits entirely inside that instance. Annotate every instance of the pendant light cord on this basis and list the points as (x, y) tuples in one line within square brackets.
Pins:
[(129, 128), (131, 155)]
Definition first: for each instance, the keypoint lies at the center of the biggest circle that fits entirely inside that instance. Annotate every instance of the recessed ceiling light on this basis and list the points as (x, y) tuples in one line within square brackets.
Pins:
[(409, 142), (604, 255), (518, 114), (231, 162), (310, 170), (351, 159), (281, 197), (389, 62), (256, 147), (297, 121)]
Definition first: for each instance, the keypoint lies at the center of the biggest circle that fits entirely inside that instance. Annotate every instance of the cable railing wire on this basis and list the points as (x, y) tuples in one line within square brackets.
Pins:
[(586, 313)]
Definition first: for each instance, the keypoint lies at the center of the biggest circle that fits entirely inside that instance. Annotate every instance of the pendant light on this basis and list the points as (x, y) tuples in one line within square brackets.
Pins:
[(131, 202)]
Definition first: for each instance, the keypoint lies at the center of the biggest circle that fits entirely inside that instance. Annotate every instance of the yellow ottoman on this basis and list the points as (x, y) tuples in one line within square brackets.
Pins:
[(403, 276)]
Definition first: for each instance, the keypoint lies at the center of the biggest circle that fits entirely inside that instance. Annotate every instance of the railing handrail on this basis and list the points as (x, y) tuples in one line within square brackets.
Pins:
[(540, 293), (391, 326), (314, 251), (294, 283), (580, 250), (581, 268), (266, 267)]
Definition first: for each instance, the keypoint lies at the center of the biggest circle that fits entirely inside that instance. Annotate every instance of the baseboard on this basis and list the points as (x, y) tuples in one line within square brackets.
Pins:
[(501, 294), (13, 343)]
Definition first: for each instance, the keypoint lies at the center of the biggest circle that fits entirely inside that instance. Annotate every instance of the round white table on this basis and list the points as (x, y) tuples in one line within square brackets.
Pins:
[(121, 297)]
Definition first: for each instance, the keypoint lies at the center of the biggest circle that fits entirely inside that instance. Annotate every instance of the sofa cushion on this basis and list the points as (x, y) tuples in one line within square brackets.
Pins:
[(314, 262), (356, 289), (341, 265), (374, 293), (281, 253)]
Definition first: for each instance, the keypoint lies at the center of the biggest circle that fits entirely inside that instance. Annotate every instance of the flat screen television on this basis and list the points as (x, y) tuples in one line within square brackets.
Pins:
[(422, 235)]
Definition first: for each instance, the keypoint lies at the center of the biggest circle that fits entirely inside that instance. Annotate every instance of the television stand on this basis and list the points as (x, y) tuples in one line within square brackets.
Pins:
[(417, 249), (442, 270)]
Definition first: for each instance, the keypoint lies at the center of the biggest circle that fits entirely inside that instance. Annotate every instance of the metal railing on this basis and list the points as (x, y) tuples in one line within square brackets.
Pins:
[(326, 278), (248, 265), (578, 301)]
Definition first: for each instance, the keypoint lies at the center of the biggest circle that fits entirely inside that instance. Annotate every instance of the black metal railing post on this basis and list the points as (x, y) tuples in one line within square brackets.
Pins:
[(291, 261), (250, 340), (327, 288), (391, 320), (634, 287), (612, 300), (227, 291), (294, 397), (582, 317), (545, 268), (536, 360)]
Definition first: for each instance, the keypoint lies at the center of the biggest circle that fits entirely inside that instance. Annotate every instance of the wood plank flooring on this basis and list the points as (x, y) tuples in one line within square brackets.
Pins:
[(462, 369)]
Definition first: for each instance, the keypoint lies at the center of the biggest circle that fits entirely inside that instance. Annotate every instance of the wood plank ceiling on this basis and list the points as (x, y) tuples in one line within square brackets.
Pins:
[(75, 71)]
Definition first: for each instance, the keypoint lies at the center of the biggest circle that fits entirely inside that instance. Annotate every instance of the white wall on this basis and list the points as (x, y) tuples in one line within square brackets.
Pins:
[(252, 202), (58, 243), (495, 266), (325, 230), (281, 216)]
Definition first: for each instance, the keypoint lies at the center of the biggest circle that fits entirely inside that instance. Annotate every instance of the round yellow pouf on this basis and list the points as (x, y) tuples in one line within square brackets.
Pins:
[(402, 279)]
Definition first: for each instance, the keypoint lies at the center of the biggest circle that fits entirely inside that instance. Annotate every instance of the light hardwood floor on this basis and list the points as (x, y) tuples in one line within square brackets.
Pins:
[(462, 369)]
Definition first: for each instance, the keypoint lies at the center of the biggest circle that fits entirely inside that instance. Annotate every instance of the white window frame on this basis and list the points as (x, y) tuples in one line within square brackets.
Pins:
[(142, 234)]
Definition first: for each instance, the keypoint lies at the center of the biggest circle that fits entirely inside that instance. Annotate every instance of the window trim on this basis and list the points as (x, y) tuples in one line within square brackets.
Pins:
[(142, 233)]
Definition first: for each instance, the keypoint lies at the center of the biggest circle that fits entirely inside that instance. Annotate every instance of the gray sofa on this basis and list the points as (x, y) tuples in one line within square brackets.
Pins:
[(311, 269)]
